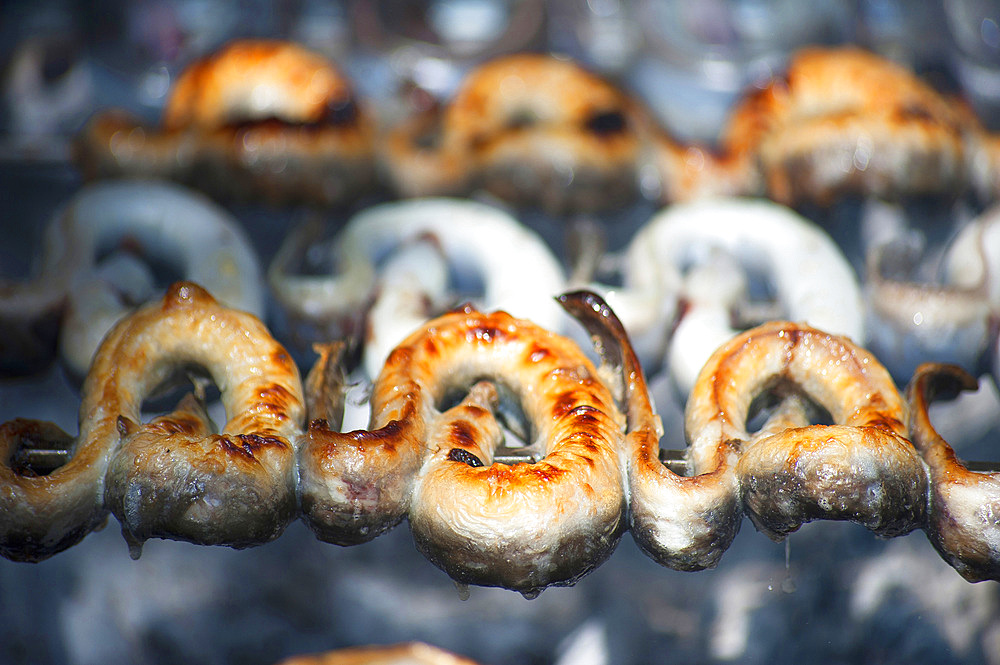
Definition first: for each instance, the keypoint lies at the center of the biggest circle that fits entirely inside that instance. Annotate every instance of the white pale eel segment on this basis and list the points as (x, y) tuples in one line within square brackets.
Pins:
[(974, 256), (258, 119), (963, 521), (148, 220), (951, 321), (693, 253), (413, 281), (518, 272)]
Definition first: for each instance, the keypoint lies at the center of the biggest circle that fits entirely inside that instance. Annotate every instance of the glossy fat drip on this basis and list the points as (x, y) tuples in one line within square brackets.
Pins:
[(523, 526), (859, 468), (175, 477), (569, 504), (963, 516), (846, 121), (686, 523), (56, 489), (259, 119), (532, 129)]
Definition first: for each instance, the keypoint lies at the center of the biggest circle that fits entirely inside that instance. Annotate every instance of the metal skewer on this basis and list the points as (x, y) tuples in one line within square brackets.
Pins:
[(40, 459), (676, 462)]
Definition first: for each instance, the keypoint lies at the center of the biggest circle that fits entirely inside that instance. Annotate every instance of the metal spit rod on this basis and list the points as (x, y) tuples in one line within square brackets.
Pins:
[(675, 460)]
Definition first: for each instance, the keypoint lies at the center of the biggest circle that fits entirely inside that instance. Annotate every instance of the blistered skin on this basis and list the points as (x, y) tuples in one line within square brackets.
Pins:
[(174, 477), (259, 119), (522, 526), (686, 523), (860, 468), (702, 255), (963, 517), (532, 129), (394, 260), (842, 121)]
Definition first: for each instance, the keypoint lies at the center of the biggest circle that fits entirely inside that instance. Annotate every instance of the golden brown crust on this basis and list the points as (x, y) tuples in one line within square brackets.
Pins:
[(418, 164), (963, 520), (690, 172), (173, 477), (530, 128), (411, 653), (686, 523), (286, 81), (845, 120), (523, 526), (542, 92), (259, 119), (860, 467)]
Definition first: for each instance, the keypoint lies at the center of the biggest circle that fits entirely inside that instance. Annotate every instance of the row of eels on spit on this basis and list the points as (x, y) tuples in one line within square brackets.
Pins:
[(518, 458)]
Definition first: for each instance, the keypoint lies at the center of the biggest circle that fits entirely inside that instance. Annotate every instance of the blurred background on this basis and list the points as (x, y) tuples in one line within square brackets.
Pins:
[(831, 593)]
